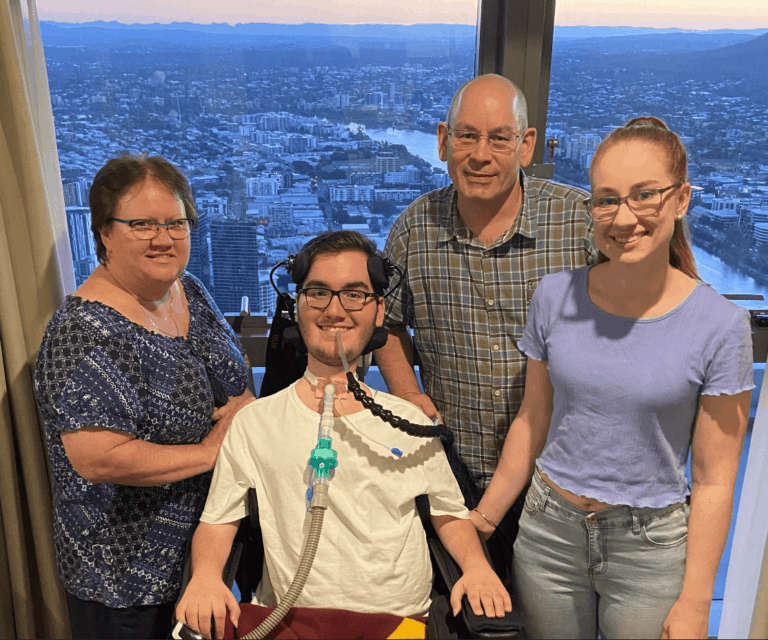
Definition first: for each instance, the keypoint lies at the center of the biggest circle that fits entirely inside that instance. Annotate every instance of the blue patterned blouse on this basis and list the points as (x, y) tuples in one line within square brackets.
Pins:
[(115, 544)]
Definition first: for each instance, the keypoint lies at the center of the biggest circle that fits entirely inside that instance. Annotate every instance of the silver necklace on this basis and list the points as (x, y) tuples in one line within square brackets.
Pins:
[(146, 313), (165, 316)]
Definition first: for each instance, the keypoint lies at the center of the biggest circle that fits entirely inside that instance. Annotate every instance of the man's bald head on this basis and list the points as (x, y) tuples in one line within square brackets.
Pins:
[(479, 86)]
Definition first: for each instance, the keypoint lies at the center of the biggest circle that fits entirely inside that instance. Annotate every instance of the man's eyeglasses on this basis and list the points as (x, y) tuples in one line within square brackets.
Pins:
[(645, 202), (147, 229), (466, 139), (351, 300)]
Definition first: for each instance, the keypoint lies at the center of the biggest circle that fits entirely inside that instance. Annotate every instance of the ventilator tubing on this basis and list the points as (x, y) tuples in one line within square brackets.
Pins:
[(323, 460)]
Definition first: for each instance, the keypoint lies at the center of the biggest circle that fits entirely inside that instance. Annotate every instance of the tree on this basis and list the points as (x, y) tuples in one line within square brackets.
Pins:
[(384, 208), (339, 214), (303, 167)]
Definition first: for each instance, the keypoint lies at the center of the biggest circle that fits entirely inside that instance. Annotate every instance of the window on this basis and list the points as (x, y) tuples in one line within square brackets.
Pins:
[(283, 130), (603, 75), (698, 83)]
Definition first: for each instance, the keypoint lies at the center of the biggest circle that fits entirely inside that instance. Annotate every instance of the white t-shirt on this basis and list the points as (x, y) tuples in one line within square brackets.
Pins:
[(372, 555)]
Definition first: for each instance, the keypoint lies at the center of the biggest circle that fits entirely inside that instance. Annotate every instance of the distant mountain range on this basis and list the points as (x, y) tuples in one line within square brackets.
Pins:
[(716, 55), (307, 31), (747, 60), (562, 33), (71, 30)]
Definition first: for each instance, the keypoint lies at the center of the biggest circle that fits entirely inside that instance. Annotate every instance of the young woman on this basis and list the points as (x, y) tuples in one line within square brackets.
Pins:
[(632, 363)]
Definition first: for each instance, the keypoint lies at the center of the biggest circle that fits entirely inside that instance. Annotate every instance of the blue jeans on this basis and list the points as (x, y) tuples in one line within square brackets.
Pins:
[(616, 571)]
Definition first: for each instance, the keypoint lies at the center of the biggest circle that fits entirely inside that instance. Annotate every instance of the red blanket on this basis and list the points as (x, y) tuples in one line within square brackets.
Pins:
[(327, 623)]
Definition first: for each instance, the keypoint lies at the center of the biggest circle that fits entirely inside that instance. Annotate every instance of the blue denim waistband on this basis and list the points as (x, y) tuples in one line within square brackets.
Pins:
[(545, 497)]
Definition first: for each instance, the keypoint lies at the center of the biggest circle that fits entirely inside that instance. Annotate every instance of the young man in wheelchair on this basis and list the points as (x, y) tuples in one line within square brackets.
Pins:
[(372, 554)]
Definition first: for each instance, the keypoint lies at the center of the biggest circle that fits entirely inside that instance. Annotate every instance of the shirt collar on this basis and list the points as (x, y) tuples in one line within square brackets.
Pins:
[(525, 224)]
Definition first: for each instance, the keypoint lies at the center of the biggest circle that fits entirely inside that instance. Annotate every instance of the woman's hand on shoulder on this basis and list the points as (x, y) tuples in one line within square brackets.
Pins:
[(222, 417), (234, 404)]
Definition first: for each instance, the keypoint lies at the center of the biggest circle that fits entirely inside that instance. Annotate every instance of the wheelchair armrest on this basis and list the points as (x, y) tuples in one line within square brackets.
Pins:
[(510, 626)]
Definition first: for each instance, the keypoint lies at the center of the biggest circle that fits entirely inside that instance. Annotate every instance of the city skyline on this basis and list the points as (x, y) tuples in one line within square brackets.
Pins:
[(687, 14)]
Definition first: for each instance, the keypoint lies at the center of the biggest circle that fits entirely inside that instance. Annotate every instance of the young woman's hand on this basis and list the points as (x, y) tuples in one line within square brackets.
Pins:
[(687, 619)]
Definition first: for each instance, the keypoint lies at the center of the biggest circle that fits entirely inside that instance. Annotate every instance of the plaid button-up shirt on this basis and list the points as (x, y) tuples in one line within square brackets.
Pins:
[(468, 303)]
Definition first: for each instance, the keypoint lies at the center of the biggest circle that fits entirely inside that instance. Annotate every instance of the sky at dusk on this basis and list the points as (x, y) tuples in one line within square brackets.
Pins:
[(684, 14)]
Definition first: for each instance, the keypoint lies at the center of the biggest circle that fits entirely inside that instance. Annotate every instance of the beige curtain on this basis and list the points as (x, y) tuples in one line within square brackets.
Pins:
[(35, 273)]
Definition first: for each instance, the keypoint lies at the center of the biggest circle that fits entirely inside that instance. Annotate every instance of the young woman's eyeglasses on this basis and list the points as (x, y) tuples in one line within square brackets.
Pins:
[(351, 300), (645, 202), (466, 139), (147, 229)]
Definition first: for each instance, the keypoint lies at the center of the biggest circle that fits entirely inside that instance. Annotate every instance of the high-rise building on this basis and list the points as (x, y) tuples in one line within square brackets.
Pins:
[(267, 295), (81, 242), (70, 195), (281, 220), (235, 262), (264, 185), (211, 203), (76, 193), (386, 161), (200, 259), (351, 193)]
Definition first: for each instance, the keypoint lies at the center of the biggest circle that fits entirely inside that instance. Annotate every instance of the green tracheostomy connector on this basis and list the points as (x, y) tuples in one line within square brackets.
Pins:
[(323, 458)]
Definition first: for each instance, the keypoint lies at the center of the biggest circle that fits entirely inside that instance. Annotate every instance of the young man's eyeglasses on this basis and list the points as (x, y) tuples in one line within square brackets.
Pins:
[(501, 141), (351, 300), (645, 202), (147, 229)]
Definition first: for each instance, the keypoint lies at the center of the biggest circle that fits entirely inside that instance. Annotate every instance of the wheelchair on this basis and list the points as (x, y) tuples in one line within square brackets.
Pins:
[(285, 364), (245, 563)]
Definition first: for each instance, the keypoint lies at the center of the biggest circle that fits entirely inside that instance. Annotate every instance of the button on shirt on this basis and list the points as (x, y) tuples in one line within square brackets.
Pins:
[(467, 304)]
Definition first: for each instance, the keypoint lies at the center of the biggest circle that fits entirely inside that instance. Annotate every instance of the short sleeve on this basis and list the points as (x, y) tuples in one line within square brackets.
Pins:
[(731, 369), (215, 343), (533, 343), (399, 304), (217, 320), (87, 378), (445, 497), (227, 497)]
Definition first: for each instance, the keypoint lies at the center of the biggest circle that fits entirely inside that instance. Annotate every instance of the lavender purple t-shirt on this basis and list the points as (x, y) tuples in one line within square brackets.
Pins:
[(626, 390)]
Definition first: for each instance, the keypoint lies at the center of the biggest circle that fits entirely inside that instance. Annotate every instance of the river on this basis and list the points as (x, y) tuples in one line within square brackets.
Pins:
[(712, 269)]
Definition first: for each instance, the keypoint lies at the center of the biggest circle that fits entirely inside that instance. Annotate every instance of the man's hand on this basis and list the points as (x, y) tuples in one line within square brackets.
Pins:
[(203, 599), (423, 402), (687, 619), (484, 591)]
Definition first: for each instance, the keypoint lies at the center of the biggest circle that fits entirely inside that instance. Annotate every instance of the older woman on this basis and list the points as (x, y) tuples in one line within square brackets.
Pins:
[(632, 364), (137, 380)]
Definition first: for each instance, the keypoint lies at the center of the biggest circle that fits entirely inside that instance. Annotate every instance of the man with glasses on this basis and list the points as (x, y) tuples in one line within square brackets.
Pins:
[(473, 254), (372, 556)]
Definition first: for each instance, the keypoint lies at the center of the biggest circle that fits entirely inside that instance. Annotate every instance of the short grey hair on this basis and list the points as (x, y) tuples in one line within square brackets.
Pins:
[(519, 103)]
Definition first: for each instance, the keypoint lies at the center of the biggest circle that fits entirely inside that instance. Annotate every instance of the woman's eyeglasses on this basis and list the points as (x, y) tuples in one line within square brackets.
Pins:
[(645, 202), (147, 229)]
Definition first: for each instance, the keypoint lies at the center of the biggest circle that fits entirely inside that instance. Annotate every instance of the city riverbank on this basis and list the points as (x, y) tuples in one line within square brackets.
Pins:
[(715, 270)]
